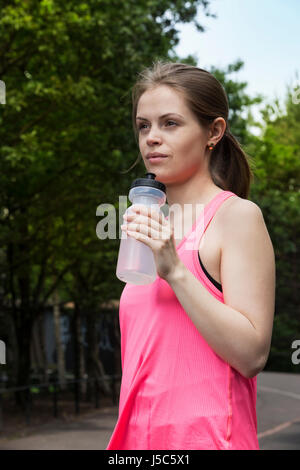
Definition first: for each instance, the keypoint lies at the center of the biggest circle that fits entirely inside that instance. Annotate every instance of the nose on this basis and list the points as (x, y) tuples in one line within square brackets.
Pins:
[(153, 137)]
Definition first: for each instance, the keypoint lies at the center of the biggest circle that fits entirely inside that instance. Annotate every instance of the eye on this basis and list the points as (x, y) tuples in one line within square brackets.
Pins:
[(167, 122)]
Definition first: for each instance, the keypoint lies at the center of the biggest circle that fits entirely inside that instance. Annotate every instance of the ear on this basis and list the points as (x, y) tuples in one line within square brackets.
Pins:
[(217, 129)]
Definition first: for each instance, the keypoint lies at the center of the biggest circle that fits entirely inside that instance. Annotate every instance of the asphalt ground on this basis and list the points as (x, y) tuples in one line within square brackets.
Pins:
[(278, 416), (278, 411)]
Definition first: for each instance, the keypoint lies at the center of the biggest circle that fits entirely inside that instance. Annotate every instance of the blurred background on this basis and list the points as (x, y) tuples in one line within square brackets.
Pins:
[(66, 143)]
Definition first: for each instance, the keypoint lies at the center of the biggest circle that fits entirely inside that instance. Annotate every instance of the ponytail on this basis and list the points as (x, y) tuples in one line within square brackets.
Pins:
[(229, 166)]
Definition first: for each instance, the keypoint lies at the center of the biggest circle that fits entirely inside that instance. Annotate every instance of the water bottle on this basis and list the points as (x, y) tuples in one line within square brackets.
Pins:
[(136, 264)]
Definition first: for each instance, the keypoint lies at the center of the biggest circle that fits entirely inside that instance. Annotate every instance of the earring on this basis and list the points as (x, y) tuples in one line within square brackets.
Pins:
[(211, 146)]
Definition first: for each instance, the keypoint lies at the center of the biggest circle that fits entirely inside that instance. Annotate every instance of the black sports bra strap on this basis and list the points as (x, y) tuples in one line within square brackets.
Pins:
[(217, 284)]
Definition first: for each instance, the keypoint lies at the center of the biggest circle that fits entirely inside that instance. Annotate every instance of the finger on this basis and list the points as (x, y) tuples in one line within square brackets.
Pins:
[(142, 219), (162, 233), (150, 212), (139, 236)]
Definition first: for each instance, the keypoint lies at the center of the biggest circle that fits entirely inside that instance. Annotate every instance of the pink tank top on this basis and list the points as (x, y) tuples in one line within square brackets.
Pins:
[(176, 392)]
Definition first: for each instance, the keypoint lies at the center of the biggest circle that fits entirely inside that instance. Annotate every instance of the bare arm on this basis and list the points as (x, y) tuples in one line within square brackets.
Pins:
[(239, 330)]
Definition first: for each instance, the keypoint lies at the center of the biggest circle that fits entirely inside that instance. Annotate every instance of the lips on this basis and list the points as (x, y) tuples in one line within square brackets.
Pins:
[(155, 155)]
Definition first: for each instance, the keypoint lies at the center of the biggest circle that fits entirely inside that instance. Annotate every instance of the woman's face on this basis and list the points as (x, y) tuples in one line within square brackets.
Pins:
[(177, 135)]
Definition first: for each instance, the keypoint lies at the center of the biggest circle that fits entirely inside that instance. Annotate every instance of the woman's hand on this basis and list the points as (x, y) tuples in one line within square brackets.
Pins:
[(151, 227)]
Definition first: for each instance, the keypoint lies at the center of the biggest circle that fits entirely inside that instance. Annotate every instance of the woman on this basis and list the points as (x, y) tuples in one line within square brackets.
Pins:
[(194, 340)]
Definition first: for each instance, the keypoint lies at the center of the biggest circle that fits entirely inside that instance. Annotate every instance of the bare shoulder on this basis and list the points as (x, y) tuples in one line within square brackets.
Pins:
[(237, 206), (242, 224), (247, 269), (242, 221), (239, 215)]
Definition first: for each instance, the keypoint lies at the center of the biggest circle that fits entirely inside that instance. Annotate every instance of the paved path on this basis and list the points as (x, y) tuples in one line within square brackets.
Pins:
[(278, 411), (278, 416), (91, 432)]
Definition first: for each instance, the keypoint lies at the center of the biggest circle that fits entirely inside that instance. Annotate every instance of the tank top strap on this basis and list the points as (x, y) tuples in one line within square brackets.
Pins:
[(194, 237), (213, 206)]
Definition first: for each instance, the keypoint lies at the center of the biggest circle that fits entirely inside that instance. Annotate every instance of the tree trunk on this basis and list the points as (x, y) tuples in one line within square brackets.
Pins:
[(42, 343), (25, 314), (81, 356), (79, 366), (38, 354), (24, 331), (94, 365), (59, 347)]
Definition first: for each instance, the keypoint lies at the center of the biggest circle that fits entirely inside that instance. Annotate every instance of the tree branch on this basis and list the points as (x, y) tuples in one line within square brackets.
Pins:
[(15, 61), (40, 281), (56, 283), (42, 189), (7, 46)]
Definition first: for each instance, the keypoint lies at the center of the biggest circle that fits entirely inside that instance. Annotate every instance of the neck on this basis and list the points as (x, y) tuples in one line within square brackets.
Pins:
[(198, 190)]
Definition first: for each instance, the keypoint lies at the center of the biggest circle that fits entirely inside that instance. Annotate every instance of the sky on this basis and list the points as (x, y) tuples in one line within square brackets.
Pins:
[(264, 34)]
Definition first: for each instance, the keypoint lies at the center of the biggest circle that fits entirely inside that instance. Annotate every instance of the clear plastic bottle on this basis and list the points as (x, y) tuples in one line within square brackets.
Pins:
[(136, 263)]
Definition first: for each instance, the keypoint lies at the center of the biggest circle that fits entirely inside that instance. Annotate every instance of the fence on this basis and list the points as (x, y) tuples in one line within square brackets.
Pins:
[(54, 387)]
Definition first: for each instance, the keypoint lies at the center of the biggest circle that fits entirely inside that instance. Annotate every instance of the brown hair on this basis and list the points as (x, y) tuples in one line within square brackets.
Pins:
[(229, 166)]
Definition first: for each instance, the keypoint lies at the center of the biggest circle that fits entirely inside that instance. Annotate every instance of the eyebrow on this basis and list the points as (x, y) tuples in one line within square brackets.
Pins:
[(160, 117)]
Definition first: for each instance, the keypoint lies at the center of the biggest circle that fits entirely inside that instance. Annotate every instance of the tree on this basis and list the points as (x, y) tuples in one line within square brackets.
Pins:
[(277, 192), (67, 67), (239, 101)]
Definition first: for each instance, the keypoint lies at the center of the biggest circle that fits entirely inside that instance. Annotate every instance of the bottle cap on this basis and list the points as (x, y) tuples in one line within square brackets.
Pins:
[(149, 180)]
